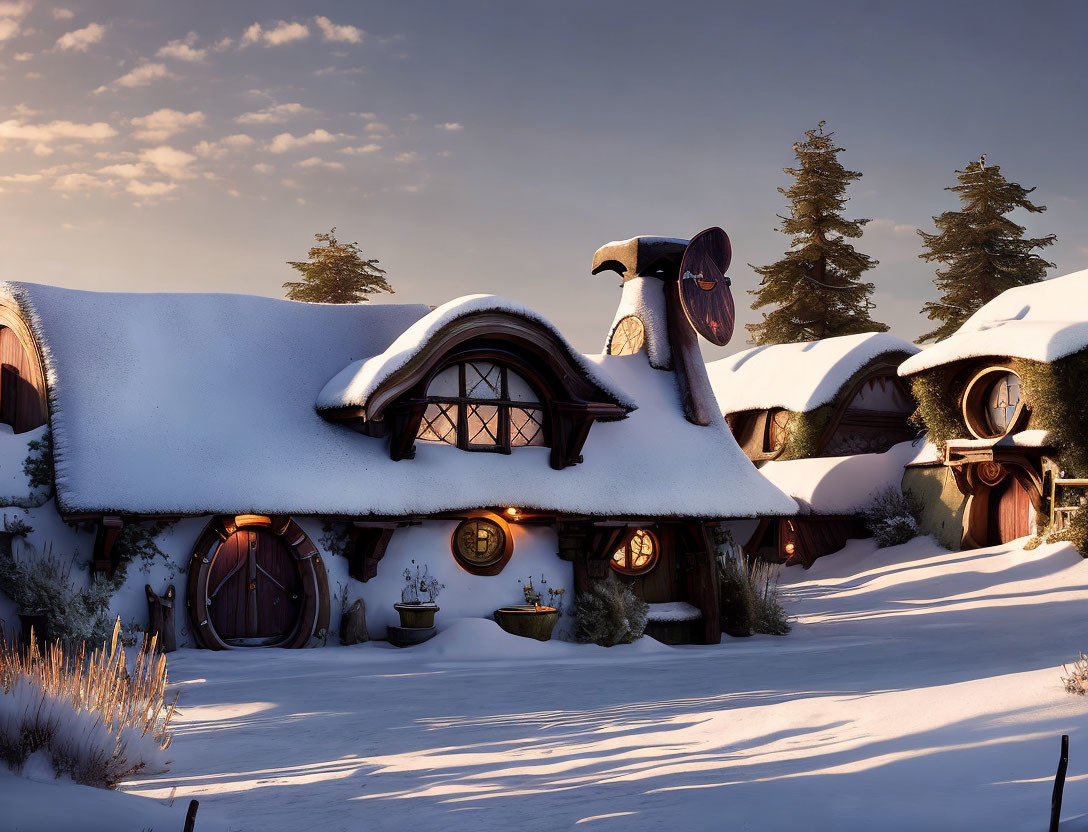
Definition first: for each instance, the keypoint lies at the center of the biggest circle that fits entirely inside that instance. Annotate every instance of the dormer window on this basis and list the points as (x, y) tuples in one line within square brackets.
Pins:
[(482, 406)]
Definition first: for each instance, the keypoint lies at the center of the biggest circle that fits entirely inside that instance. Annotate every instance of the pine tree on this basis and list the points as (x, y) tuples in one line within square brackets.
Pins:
[(817, 286), (983, 251), (336, 273)]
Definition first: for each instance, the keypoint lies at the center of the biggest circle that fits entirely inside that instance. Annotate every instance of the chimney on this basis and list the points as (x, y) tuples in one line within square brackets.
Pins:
[(650, 267)]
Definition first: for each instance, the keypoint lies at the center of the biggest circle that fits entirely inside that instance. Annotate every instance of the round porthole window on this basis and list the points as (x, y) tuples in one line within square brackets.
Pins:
[(992, 405), (482, 544), (637, 555), (628, 337)]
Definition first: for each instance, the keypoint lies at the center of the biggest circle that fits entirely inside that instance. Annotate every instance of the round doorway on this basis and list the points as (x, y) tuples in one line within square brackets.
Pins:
[(257, 581)]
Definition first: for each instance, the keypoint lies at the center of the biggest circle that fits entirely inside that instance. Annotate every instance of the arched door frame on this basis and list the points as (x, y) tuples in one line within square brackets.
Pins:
[(314, 619)]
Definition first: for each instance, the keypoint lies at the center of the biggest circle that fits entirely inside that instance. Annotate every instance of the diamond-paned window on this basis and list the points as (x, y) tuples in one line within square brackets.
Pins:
[(482, 406)]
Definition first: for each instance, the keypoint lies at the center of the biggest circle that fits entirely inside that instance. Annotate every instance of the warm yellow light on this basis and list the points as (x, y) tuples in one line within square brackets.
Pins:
[(512, 512), (789, 548)]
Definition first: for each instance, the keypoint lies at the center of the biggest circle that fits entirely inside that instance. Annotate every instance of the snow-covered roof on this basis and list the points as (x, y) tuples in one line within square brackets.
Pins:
[(841, 484), (205, 403), (800, 376), (1040, 322), (353, 385)]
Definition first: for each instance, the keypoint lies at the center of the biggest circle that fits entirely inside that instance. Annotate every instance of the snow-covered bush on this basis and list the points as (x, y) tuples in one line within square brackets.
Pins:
[(892, 517), (43, 585), (1077, 679), (610, 613), (96, 720)]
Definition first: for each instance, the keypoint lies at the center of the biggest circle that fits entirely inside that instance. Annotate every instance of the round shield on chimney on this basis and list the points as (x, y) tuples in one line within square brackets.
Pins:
[(704, 288)]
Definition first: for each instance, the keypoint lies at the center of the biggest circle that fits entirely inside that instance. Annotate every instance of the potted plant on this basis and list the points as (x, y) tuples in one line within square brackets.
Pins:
[(413, 610), (533, 619)]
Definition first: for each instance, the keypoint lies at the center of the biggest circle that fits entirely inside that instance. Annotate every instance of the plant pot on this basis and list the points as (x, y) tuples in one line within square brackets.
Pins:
[(39, 622), (528, 621), (416, 615)]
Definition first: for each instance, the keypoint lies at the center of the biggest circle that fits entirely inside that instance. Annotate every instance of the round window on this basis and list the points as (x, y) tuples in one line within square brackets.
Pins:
[(482, 544), (992, 405), (628, 337), (637, 556), (1002, 402)]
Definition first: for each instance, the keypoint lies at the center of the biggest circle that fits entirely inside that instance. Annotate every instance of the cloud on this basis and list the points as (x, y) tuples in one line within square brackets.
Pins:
[(15, 8), (141, 76), (451, 126), (898, 229), (285, 141), (8, 28), (63, 14), (338, 34), (162, 124), (183, 50), (21, 177), (376, 127), (150, 188), (23, 56), (19, 130), (366, 148), (318, 162), (283, 32), (82, 39), (73, 182), (219, 149), (407, 157), (276, 114), (169, 161), (125, 171), (222, 44), (263, 168)]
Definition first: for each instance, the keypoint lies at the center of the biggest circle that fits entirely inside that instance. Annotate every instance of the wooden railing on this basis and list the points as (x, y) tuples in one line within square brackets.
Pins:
[(1059, 515)]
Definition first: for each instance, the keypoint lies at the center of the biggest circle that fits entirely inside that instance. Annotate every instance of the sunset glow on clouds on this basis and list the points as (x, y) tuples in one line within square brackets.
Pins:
[(95, 145)]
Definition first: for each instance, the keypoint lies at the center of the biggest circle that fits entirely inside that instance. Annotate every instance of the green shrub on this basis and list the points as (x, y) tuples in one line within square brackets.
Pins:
[(1075, 532), (803, 432), (610, 613), (938, 394)]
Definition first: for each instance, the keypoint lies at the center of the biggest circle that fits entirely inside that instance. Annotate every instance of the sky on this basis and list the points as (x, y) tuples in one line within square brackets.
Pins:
[(493, 146)]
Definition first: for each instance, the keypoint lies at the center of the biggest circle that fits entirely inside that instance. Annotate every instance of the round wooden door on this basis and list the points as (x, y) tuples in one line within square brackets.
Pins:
[(254, 590)]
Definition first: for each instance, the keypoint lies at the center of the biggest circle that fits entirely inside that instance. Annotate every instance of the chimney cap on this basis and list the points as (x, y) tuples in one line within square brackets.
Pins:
[(641, 257)]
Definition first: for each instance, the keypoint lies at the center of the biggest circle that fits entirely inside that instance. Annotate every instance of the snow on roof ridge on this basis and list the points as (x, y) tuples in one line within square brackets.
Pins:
[(353, 385), (1042, 321), (798, 376)]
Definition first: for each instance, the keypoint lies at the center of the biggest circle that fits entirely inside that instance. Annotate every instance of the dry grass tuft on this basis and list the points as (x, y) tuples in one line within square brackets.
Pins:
[(97, 719)]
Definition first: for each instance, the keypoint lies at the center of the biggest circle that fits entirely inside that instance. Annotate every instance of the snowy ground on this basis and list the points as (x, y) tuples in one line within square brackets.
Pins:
[(919, 690)]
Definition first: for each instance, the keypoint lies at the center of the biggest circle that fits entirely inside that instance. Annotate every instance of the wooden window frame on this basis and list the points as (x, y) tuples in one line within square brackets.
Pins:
[(974, 406), (633, 572), (495, 567), (504, 404)]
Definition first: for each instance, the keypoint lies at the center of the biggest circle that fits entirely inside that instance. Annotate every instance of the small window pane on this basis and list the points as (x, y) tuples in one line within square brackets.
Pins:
[(439, 423), (637, 555), (483, 425), (518, 389), (629, 336), (483, 380), (446, 384), (1002, 403), (526, 427)]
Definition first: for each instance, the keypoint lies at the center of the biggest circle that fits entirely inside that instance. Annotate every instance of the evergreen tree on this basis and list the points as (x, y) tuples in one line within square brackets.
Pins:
[(983, 251), (817, 286), (336, 273)]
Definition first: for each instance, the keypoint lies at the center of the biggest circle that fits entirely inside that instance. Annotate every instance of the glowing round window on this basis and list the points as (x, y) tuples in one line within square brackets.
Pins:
[(628, 337), (482, 544), (637, 555)]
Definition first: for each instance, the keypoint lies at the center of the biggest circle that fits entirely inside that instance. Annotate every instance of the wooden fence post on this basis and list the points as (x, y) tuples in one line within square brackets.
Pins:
[(1059, 786), (190, 816)]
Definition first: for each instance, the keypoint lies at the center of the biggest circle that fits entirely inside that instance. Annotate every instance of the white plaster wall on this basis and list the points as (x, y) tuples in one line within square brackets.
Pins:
[(465, 595)]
